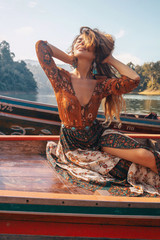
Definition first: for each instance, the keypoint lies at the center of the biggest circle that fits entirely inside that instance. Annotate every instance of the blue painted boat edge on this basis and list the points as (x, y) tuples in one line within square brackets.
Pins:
[(141, 121), (28, 104)]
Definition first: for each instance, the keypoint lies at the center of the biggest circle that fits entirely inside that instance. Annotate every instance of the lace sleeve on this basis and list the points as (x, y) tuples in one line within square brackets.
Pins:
[(120, 86), (44, 54)]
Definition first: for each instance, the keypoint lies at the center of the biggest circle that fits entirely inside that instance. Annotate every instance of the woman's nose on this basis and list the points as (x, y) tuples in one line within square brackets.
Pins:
[(82, 42)]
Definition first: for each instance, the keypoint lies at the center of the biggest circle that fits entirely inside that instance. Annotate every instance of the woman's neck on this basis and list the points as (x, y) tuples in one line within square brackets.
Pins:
[(83, 69)]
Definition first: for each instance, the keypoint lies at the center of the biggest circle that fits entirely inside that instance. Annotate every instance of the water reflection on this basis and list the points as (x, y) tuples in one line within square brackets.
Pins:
[(26, 96), (142, 104)]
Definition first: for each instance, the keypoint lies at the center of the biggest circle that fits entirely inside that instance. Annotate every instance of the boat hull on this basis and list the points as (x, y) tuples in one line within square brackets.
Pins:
[(83, 217), (21, 117), (45, 214)]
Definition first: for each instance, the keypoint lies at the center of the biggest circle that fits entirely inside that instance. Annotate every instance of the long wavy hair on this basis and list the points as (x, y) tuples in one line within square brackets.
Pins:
[(104, 45)]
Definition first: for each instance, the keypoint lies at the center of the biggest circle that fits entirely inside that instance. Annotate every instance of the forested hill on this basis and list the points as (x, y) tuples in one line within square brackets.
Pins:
[(14, 76), (150, 76)]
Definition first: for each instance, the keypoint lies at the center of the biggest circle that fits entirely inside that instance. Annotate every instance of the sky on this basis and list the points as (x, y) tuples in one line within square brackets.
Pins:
[(133, 23)]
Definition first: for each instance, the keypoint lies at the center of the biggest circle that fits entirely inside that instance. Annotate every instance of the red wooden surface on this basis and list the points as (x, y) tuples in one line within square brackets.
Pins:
[(56, 137), (29, 138), (78, 230)]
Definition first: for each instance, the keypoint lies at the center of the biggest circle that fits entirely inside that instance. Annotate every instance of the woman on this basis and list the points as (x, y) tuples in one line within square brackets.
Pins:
[(87, 151)]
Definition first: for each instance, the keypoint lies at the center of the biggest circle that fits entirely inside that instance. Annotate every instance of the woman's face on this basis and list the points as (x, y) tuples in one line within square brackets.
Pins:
[(80, 51)]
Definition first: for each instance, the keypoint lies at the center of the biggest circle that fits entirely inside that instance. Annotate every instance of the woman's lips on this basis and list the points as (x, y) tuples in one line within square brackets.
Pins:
[(81, 49)]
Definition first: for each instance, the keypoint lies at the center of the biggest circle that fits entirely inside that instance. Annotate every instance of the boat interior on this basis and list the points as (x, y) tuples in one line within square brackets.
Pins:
[(32, 194), (24, 167)]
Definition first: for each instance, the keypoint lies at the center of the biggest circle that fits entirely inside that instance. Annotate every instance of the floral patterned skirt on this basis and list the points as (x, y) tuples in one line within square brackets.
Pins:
[(79, 159)]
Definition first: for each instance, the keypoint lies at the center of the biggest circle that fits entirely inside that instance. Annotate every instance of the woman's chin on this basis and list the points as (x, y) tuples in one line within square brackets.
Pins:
[(84, 55)]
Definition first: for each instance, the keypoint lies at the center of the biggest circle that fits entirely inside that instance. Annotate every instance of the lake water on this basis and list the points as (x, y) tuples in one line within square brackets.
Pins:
[(134, 103)]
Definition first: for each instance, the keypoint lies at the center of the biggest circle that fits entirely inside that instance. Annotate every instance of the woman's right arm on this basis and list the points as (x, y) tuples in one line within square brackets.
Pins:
[(45, 52), (57, 53)]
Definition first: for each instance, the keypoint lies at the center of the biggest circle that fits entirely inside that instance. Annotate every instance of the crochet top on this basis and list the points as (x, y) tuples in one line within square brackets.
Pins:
[(71, 113)]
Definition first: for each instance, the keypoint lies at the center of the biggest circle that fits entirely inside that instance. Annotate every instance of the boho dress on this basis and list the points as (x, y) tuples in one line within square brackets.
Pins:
[(78, 156)]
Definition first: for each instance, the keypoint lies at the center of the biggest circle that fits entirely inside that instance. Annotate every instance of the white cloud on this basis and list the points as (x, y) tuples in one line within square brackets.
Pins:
[(120, 34), (2, 37), (24, 31), (32, 4), (127, 57)]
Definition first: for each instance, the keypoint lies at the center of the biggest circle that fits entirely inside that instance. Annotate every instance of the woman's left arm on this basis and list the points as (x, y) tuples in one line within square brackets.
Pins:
[(121, 68), (126, 83)]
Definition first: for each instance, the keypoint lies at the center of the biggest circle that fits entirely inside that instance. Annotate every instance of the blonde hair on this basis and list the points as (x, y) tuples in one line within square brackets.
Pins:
[(103, 44)]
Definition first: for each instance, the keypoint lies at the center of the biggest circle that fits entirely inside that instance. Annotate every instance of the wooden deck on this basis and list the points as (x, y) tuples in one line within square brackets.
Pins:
[(25, 168)]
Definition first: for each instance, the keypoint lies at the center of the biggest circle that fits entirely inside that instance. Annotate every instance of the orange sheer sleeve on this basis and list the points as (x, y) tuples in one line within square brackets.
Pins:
[(44, 54), (120, 86)]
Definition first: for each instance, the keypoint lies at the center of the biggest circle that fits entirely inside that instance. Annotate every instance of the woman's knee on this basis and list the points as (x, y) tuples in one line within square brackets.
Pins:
[(146, 158), (143, 154)]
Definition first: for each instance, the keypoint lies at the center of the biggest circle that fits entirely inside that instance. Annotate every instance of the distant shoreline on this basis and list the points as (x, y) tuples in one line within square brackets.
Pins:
[(150, 92)]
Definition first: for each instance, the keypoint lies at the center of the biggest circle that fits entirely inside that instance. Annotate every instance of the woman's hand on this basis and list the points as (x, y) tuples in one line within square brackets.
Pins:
[(108, 59), (62, 56)]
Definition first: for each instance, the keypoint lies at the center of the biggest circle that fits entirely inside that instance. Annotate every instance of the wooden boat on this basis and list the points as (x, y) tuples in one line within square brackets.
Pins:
[(38, 204), (22, 117)]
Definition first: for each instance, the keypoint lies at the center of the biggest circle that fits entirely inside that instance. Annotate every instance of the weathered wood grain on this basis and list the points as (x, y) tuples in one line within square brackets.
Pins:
[(32, 172), (24, 167), (25, 147)]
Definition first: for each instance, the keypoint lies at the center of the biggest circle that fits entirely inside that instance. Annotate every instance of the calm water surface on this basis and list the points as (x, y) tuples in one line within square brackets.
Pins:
[(134, 103), (142, 103)]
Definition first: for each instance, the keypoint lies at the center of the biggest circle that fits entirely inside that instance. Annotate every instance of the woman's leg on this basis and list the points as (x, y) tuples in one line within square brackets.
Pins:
[(140, 156)]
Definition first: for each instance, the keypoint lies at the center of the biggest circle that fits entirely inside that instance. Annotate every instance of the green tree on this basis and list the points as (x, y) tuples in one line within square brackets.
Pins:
[(6, 55), (14, 75), (149, 74)]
